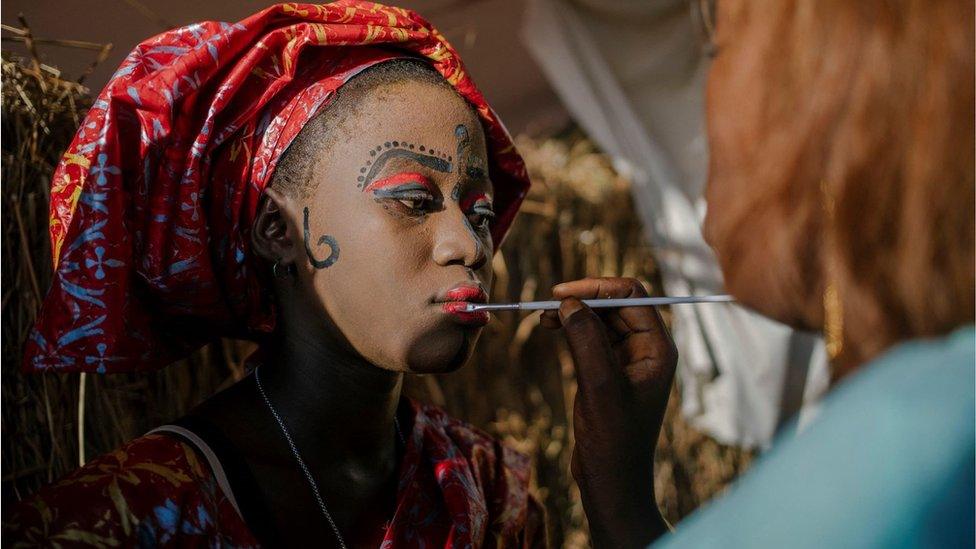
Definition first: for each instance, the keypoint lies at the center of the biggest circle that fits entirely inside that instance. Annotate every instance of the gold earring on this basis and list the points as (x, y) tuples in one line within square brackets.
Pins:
[(833, 328), (833, 321)]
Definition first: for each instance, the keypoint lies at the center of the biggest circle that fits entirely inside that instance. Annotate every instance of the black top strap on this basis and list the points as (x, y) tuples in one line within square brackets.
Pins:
[(232, 472)]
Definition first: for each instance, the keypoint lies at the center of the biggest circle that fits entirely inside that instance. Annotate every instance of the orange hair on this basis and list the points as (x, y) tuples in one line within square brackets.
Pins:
[(868, 104)]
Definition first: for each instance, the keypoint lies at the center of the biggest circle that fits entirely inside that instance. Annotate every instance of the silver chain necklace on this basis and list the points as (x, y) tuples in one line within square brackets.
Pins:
[(301, 462)]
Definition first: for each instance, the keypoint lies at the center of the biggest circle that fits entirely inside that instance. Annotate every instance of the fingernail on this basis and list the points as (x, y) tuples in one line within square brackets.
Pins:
[(569, 307)]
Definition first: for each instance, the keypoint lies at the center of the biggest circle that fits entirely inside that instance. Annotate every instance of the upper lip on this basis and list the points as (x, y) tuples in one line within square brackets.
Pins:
[(466, 292)]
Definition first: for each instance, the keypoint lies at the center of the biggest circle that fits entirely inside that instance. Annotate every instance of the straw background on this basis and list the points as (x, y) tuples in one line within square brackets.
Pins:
[(578, 221)]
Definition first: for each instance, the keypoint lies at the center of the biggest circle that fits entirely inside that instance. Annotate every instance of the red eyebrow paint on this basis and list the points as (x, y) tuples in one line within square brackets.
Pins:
[(399, 179), (473, 199)]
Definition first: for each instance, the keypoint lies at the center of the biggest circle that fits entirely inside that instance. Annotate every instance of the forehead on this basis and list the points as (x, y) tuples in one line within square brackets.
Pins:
[(414, 112)]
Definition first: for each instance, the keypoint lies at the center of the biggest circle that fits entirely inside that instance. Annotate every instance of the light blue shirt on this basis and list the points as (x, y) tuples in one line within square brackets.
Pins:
[(888, 462)]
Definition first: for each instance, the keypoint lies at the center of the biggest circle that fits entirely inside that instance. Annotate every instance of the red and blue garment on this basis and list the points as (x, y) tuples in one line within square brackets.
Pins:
[(457, 488)]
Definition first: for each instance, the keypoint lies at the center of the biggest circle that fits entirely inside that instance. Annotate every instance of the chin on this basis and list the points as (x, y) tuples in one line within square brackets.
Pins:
[(772, 297), (442, 352)]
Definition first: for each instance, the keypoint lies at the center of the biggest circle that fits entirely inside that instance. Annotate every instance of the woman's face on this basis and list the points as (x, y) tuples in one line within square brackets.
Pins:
[(393, 240)]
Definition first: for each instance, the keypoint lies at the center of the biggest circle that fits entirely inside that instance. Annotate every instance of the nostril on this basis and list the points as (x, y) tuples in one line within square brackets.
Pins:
[(479, 263)]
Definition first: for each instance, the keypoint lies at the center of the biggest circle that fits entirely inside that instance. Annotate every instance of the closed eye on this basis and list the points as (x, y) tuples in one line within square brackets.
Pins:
[(424, 202), (410, 193), (481, 214)]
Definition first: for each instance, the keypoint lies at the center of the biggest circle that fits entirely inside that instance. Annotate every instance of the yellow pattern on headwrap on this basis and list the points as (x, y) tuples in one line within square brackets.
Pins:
[(320, 34), (290, 9), (372, 33), (401, 35), (348, 15), (440, 54)]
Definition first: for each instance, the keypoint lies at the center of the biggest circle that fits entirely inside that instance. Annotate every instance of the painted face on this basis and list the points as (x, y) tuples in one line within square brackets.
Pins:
[(395, 234)]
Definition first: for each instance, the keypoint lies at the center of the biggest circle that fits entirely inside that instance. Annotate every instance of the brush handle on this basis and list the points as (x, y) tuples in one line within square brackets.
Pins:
[(601, 303)]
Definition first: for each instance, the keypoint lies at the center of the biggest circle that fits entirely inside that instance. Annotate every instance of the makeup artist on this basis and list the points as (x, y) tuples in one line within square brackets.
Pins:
[(327, 180), (841, 200)]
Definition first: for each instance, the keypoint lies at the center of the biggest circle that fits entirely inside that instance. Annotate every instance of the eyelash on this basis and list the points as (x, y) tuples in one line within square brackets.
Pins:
[(486, 214), (423, 204), (416, 203)]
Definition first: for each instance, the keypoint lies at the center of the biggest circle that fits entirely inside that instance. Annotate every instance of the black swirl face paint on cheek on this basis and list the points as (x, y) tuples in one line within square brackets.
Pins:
[(324, 239)]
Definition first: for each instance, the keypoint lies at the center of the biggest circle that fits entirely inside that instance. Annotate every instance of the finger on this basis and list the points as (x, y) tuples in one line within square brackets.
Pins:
[(597, 373), (550, 319), (569, 307), (594, 288), (651, 359), (602, 288), (648, 360), (622, 321), (629, 320), (590, 288)]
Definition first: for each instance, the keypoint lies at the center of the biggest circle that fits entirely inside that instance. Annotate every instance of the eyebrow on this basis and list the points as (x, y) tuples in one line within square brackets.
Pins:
[(401, 180), (426, 160), (476, 172)]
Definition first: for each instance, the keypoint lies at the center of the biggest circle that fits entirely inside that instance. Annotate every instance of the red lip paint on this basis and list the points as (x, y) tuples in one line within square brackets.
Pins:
[(456, 309), (458, 299), (467, 293)]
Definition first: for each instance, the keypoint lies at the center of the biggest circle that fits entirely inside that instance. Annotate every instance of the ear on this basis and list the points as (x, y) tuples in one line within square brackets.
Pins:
[(272, 233)]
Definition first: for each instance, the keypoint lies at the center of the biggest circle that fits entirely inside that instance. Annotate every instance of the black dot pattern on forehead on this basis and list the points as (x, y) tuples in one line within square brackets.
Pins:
[(393, 145)]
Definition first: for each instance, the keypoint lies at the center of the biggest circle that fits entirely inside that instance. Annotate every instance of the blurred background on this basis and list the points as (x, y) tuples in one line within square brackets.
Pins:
[(605, 99)]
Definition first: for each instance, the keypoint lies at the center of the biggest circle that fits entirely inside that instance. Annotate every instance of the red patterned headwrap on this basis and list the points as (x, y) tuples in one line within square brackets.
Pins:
[(152, 202)]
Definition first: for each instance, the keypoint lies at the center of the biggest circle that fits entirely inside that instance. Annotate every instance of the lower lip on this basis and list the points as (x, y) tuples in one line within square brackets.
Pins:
[(457, 310)]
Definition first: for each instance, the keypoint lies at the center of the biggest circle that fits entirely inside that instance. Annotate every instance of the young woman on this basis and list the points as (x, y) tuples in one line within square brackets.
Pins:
[(840, 199), (325, 179)]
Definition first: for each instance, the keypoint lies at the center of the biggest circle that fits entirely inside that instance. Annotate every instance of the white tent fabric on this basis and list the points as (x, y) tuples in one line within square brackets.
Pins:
[(632, 74)]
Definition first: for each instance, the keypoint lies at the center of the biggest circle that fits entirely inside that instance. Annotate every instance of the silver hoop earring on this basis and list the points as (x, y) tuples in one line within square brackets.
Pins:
[(289, 270)]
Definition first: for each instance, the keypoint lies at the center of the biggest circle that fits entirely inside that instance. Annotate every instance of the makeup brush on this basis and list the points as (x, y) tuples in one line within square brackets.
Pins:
[(599, 303)]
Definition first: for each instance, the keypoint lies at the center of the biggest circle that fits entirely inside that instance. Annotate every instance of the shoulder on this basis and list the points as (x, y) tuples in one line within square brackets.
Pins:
[(154, 488), (891, 448), (913, 403), (503, 474)]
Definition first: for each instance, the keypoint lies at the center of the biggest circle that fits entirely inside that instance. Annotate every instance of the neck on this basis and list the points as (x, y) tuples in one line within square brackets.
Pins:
[(335, 404)]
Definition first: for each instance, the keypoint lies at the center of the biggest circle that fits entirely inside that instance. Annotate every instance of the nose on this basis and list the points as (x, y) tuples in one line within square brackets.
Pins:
[(458, 243)]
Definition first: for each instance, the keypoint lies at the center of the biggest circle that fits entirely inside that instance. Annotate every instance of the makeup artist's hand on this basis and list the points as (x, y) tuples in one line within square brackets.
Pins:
[(625, 361)]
